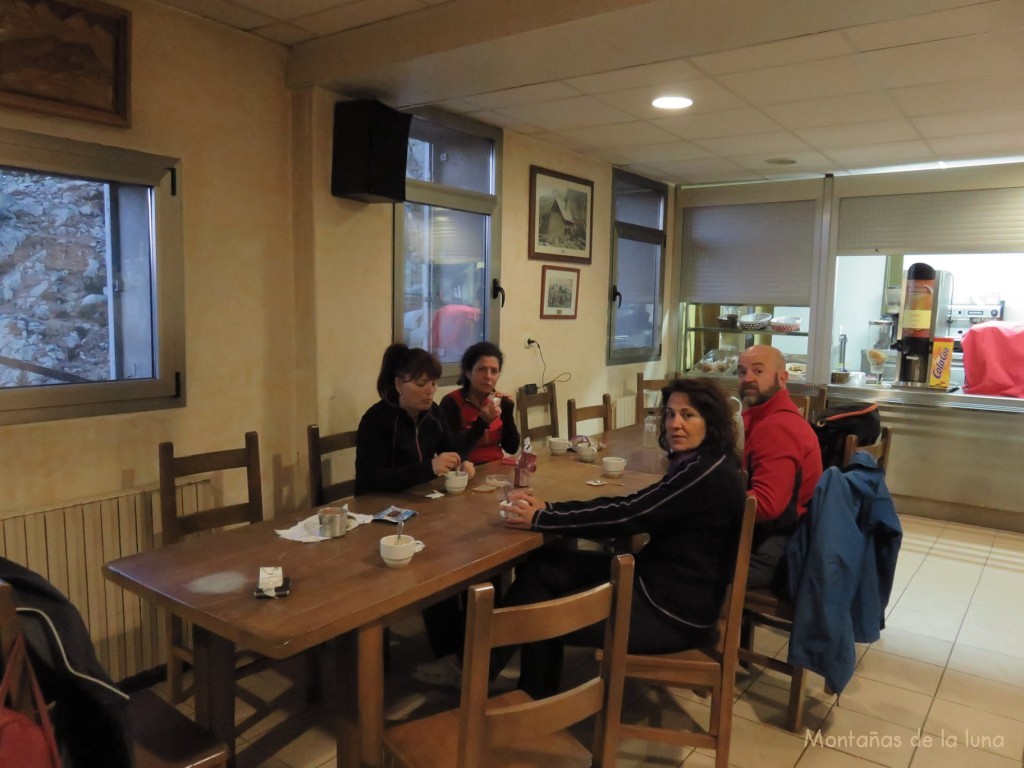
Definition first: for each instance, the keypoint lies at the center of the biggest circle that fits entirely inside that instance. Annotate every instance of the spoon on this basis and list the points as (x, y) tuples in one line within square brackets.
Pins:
[(401, 524)]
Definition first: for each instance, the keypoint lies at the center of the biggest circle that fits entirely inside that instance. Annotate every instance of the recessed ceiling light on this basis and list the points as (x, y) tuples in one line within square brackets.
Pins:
[(780, 161), (672, 102)]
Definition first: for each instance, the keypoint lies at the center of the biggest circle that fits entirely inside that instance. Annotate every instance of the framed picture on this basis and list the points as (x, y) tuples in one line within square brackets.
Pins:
[(68, 58), (559, 292), (561, 214)]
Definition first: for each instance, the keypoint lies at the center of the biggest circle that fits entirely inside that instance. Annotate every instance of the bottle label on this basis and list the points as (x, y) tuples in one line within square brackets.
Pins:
[(917, 309)]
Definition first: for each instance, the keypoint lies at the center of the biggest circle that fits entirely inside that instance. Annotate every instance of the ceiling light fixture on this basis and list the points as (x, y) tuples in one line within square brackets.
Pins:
[(780, 161), (672, 102)]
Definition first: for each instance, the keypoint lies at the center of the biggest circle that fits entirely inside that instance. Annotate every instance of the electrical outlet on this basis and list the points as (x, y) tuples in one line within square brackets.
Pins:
[(528, 342)]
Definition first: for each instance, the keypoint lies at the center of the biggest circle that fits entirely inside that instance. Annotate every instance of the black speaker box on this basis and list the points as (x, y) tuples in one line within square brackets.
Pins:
[(370, 147)]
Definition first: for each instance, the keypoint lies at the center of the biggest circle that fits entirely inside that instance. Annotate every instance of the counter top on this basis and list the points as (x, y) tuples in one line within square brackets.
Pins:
[(924, 397)]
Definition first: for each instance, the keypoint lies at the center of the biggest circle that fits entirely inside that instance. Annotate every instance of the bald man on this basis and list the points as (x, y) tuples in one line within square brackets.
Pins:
[(781, 456)]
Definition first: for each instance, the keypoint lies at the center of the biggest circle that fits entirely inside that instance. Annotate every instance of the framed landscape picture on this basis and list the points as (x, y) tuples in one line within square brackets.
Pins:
[(559, 292), (561, 215), (68, 58)]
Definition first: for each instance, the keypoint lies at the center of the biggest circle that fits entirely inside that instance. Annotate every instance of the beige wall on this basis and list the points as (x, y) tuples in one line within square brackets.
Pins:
[(288, 289), (214, 98)]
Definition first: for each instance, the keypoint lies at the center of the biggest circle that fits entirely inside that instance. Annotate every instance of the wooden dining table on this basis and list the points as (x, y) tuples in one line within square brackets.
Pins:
[(340, 588)]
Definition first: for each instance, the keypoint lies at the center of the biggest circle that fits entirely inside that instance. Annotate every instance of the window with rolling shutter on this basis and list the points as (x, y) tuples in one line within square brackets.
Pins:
[(759, 253), (962, 221)]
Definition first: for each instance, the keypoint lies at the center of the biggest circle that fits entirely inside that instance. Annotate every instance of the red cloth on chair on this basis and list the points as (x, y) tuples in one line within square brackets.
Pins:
[(994, 359)]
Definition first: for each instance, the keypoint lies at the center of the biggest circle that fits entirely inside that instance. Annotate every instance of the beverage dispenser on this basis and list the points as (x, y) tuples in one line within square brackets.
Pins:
[(924, 317)]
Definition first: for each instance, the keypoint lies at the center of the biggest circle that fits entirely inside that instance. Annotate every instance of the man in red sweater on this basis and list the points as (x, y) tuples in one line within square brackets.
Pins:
[(782, 457)]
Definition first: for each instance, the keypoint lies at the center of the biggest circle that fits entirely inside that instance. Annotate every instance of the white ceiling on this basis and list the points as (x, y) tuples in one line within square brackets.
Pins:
[(836, 86)]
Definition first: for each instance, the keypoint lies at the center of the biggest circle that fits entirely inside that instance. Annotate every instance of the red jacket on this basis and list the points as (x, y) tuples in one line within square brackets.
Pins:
[(783, 459)]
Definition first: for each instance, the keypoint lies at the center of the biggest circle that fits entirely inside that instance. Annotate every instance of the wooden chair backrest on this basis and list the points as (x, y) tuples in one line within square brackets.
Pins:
[(544, 399), (488, 627), (733, 608), (320, 446), (575, 415), (173, 468), (880, 450), (643, 386)]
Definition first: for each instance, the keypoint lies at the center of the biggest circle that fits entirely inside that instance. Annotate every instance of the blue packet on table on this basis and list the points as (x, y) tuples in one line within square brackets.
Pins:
[(394, 514)]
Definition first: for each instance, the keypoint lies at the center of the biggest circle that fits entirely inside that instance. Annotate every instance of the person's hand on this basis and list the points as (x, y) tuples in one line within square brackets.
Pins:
[(520, 509), (468, 468), (445, 462), (490, 410)]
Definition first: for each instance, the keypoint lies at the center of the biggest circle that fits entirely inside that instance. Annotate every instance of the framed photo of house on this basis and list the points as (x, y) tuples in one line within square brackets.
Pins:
[(559, 292), (561, 216), (68, 58)]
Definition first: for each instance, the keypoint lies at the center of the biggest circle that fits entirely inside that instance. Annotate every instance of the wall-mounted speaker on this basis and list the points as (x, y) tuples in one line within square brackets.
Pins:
[(370, 147)]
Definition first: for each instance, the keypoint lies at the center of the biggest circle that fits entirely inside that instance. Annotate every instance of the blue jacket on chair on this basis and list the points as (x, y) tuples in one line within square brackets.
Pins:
[(842, 560)]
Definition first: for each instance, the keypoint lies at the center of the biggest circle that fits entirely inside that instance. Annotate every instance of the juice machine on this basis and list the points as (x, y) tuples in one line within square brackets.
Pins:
[(924, 316)]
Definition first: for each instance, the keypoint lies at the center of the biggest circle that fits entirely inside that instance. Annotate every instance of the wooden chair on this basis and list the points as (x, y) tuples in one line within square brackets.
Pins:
[(880, 450), (811, 405), (643, 386), (176, 526), (319, 447), (512, 729), (764, 608), (712, 668), (162, 737), (603, 411), (544, 399)]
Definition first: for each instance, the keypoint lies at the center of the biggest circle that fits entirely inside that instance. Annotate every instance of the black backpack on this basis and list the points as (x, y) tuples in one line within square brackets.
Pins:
[(834, 424)]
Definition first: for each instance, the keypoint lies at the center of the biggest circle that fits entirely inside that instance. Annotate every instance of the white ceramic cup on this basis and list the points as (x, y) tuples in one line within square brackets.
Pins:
[(558, 445), (456, 481), (586, 452), (613, 466), (333, 521), (398, 552)]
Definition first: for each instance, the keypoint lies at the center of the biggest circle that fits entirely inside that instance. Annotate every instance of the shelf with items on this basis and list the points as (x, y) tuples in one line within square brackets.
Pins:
[(741, 332), (715, 334)]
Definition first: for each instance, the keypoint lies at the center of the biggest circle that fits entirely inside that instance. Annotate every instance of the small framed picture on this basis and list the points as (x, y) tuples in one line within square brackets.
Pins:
[(561, 210), (559, 292)]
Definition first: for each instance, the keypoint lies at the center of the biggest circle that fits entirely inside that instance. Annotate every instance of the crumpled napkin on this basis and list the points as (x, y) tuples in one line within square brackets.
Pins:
[(309, 529)]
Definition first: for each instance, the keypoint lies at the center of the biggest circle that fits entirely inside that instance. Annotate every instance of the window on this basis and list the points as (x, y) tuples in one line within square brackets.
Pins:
[(90, 280), (445, 239), (638, 257)]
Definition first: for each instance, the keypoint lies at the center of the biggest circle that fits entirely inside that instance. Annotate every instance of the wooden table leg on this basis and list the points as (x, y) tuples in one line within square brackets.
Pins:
[(371, 694), (214, 673), (360, 664)]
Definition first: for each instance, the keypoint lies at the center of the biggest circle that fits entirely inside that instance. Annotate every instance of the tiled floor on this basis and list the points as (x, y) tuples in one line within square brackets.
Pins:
[(943, 687)]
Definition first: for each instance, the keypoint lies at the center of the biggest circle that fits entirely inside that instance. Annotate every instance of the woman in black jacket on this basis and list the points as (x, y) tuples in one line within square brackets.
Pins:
[(692, 516), (401, 440)]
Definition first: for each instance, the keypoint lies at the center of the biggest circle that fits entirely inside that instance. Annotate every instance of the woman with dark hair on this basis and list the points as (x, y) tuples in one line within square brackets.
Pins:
[(477, 414), (401, 440), (692, 516)]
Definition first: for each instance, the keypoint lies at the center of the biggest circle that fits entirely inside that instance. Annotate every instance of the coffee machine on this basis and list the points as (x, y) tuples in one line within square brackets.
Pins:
[(963, 316), (924, 316)]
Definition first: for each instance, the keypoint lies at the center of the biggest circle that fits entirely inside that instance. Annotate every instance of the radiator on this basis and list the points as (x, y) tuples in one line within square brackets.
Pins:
[(624, 410), (69, 545)]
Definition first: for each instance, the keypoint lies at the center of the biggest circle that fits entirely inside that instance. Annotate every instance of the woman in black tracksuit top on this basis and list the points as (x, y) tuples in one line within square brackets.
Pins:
[(402, 440), (692, 516)]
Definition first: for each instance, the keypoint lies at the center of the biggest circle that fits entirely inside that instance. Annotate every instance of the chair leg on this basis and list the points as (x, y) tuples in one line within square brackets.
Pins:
[(175, 670), (795, 712)]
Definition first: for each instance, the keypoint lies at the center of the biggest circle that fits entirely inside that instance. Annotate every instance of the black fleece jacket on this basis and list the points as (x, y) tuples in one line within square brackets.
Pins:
[(393, 452)]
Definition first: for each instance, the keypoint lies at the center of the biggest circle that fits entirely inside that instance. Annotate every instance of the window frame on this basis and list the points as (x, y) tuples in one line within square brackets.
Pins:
[(48, 154), (641, 234), (469, 201)]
